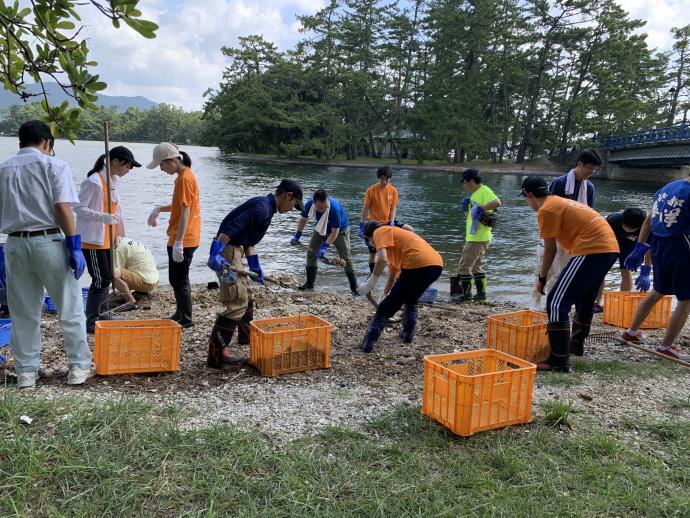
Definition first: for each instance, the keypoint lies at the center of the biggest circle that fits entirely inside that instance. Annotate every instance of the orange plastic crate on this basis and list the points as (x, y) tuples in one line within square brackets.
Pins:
[(520, 333), (620, 306), (290, 344), (473, 391), (136, 346)]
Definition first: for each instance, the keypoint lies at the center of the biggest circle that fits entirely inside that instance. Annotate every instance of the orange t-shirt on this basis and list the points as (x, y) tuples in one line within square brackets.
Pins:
[(405, 249), (578, 228), (108, 228), (186, 194), (380, 200)]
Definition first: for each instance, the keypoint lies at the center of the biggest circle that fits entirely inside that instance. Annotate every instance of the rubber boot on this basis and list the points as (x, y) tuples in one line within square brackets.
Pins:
[(409, 322), (183, 298), (559, 343), (454, 285), (376, 327), (371, 267), (352, 279), (465, 294), (311, 278), (219, 341), (94, 302), (243, 327), (480, 286), (580, 332)]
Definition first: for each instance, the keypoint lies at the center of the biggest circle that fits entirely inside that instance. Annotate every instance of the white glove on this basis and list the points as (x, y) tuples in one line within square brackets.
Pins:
[(372, 281), (108, 219), (178, 252), (153, 217)]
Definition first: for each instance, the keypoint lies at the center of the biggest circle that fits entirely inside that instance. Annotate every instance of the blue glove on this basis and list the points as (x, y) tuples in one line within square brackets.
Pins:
[(465, 204), (634, 260), (76, 257), (360, 232), (215, 260), (254, 266), (477, 212), (642, 282), (295, 238), (322, 250), (391, 223)]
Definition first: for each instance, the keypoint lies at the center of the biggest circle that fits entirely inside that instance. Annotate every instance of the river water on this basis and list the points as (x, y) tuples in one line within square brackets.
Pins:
[(429, 201)]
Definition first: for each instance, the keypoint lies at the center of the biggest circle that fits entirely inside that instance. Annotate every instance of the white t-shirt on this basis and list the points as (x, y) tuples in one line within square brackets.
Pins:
[(31, 183), (133, 255)]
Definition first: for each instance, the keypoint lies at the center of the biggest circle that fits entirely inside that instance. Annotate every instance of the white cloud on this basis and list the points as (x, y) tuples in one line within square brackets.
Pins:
[(661, 16), (184, 59)]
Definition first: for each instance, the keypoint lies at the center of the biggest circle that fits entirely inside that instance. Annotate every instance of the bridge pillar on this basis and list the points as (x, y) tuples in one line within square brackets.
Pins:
[(656, 175)]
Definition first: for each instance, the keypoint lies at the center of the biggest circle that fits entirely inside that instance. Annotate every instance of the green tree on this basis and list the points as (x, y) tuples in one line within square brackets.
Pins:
[(680, 76)]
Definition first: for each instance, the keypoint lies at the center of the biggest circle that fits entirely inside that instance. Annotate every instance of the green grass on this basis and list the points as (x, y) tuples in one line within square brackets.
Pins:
[(556, 412), (620, 369), (127, 458)]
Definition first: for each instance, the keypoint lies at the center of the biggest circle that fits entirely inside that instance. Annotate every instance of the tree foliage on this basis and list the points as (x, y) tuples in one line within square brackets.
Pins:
[(529, 77), (45, 42)]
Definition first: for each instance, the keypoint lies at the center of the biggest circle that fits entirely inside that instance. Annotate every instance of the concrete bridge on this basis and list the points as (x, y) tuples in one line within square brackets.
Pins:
[(658, 155)]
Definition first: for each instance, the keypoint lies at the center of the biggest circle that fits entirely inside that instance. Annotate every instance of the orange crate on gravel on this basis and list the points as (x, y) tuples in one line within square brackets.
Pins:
[(520, 333), (473, 391), (137, 346), (620, 306), (290, 344)]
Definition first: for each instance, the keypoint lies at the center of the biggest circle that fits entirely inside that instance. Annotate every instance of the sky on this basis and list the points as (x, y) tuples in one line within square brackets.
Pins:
[(184, 60)]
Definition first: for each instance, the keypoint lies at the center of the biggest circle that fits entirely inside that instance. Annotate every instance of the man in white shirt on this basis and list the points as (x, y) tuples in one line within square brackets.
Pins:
[(37, 193), (135, 268)]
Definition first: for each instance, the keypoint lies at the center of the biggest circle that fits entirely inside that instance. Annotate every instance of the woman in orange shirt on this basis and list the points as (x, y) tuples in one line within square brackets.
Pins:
[(413, 265), (184, 228)]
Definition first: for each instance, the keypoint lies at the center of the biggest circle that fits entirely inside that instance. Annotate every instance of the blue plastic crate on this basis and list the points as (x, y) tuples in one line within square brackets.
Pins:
[(5, 331), (429, 296), (48, 305)]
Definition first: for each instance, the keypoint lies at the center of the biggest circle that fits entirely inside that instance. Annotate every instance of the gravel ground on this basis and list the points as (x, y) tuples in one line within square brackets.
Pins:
[(357, 387)]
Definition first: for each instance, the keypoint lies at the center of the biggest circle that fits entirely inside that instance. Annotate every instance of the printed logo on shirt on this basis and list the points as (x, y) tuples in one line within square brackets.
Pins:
[(667, 209)]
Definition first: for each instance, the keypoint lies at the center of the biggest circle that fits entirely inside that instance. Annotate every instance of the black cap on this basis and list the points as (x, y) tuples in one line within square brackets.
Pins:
[(535, 185), (471, 174), (293, 187), (122, 153)]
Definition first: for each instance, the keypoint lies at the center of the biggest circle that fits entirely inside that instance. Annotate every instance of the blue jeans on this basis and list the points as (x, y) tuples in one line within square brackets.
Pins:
[(33, 263)]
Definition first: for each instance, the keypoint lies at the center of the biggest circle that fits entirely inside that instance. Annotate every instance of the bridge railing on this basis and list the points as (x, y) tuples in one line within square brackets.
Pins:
[(671, 133)]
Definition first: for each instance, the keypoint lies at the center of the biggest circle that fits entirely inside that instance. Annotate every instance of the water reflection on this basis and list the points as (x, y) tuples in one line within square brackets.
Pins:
[(429, 202)]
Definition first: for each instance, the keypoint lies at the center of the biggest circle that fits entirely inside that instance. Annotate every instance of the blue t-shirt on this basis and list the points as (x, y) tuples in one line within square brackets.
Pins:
[(671, 210), (247, 224), (337, 217), (557, 187)]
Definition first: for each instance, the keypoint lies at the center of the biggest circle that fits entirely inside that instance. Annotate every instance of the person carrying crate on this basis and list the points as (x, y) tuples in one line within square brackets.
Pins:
[(669, 223), (413, 265), (238, 234), (586, 236), (43, 251)]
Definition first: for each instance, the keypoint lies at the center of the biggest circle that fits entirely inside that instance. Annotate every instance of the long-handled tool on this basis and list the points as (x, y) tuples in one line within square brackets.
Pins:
[(254, 276), (657, 353), (332, 261)]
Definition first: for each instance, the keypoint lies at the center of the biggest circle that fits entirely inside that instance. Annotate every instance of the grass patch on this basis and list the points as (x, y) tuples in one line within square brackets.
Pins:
[(679, 404), (556, 412), (559, 379), (127, 458), (620, 369)]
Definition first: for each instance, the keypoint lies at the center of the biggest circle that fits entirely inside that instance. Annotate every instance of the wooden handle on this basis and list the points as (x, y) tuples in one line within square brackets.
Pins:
[(660, 355)]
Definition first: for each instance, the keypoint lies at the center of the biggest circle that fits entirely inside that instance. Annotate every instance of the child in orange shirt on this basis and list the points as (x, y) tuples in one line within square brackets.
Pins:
[(184, 228), (413, 265), (592, 245)]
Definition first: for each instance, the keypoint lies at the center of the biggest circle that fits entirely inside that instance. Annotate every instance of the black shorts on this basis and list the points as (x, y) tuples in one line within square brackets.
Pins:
[(670, 258)]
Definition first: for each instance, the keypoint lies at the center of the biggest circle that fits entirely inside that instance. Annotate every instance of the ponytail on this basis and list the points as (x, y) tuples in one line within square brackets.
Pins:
[(97, 166), (186, 161)]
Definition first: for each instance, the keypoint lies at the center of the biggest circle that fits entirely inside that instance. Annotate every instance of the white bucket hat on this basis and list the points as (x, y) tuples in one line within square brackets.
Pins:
[(163, 151)]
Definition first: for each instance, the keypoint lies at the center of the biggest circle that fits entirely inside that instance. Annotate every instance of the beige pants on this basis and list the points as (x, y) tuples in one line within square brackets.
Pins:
[(136, 282), (472, 258), (235, 295)]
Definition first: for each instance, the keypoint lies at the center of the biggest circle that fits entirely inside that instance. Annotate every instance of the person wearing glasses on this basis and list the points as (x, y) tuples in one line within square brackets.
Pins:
[(479, 208), (43, 251), (101, 226), (591, 243)]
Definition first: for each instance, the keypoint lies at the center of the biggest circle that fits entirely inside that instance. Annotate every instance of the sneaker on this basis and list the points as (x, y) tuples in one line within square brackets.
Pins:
[(77, 375), (597, 308), (635, 339), (672, 352), (26, 380)]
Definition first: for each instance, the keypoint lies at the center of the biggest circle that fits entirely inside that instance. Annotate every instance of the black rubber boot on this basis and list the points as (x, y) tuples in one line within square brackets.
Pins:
[(559, 343), (183, 299), (465, 294), (371, 267), (480, 286), (409, 322), (454, 285), (376, 327), (221, 336), (352, 279), (580, 332), (94, 301), (311, 278), (243, 327)]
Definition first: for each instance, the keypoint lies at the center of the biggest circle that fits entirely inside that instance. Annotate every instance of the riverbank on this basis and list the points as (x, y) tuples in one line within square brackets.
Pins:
[(612, 385), (542, 167)]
